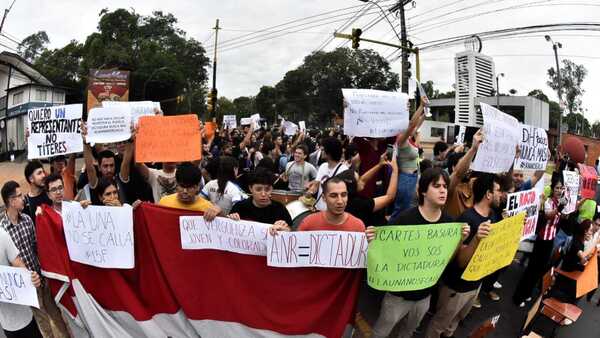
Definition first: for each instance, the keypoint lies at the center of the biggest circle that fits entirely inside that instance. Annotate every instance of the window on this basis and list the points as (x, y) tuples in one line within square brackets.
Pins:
[(41, 95), (58, 97), (437, 132), (17, 98)]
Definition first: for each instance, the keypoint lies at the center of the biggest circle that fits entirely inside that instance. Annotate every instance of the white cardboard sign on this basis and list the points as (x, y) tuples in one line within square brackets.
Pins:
[(229, 121), (137, 108), (108, 125), (374, 113), (501, 134), (533, 144), (99, 236), (571, 180), (225, 234), (302, 126), (245, 121), (290, 128), (256, 121), (16, 286), (333, 249), (54, 131)]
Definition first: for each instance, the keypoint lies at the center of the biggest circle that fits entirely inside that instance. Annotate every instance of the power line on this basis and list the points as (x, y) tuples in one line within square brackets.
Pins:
[(367, 27), (479, 4), (344, 26)]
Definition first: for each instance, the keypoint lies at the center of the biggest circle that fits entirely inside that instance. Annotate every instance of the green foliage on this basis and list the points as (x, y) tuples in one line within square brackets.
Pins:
[(571, 77), (33, 45), (158, 54)]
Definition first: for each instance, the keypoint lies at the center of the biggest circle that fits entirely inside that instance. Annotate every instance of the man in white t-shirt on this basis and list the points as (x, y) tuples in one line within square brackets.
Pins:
[(16, 320), (299, 173), (231, 195), (162, 180), (332, 149)]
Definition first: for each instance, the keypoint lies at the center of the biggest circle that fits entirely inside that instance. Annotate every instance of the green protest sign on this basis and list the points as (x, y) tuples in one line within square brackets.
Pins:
[(410, 257)]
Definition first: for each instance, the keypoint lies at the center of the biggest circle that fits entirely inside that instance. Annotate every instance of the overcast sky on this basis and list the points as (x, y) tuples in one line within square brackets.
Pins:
[(242, 70)]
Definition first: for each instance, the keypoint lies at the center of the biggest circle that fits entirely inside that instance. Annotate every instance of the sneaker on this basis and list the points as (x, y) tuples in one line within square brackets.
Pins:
[(477, 303), (493, 296), (522, 305), (497, 285)]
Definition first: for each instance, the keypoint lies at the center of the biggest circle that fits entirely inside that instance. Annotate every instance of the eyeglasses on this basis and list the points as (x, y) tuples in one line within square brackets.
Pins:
[(56, 189)]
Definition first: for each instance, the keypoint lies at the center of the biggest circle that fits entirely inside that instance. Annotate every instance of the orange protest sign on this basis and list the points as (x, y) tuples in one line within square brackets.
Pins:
[(209, 129), (168, 139), (589, 179)]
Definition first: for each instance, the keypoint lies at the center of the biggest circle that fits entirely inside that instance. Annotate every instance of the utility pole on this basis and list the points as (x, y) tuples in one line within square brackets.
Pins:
[(404, 42), (498, 90), (213, 92), (5, 15), (555, 47)]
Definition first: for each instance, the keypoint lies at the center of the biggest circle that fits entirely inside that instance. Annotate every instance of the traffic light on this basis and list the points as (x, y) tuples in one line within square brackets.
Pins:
[(211, 104), (356, 32), (179, 99), (407, 66)]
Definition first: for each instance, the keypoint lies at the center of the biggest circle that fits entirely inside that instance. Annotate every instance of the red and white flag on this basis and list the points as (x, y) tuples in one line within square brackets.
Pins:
[(189, 293)]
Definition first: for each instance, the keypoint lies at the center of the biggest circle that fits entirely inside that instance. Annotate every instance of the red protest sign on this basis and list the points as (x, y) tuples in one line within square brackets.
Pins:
[(168, 139), (589, 181)]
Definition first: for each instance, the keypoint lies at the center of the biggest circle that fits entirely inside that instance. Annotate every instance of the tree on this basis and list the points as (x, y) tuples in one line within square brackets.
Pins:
[(596, 129), (571, 77), (553, 107), (315, 86), (158, 54), (578, 124), (512, 91), (539, 94), (33, 45), (266, 103)]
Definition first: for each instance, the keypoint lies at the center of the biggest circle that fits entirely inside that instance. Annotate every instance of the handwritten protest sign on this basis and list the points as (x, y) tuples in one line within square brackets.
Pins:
[(168, 139), (54, 131), (137, 108), (333, 249), (589, 181), (374, 113), (501, 134), (302, 126), (406, 258), (571, 180), (533, 144), (527, 201), (460, 137), (16, 286), (98, 235), (255, 118), (229, 121), (290, 128), (245, 237), (497, 250), (107, 125), (245, 121)]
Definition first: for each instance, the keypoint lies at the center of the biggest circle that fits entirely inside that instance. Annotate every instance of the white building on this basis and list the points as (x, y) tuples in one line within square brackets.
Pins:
[(474, 78), (22, 88)]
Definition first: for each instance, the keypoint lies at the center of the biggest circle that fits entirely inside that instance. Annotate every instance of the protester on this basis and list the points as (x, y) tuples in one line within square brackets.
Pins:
[(66, 168), (188, 178), (162, 181), (21, 229), (261, 208), (55, 189), (16, 320), (223, 191), (409, 307), (35, 174), (333, 151), (299, 172), (456, 295)]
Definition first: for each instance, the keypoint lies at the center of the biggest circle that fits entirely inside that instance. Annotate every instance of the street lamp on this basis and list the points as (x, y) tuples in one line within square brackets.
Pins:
[(150, 78), (498, 90), (555, 47)]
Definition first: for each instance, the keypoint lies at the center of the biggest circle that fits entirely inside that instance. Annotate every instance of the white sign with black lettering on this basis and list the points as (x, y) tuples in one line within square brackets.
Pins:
[(54, 131), (229, 121), (137, 108), (290, 128), (16, 286), (245, 237), (302, 126), (245, 121), (374, 113), (98, 235), (331, 249), (533, 146), (501, 134), (108, 125), (571, 192)]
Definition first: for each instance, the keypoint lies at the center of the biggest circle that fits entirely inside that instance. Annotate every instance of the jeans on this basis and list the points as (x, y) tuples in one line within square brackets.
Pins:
[(405, 193)]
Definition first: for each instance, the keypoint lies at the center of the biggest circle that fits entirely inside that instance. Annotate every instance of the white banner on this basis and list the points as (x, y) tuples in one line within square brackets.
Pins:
[(108, 125), (54, 131), (99, 236), (533, 145), (245, 121), (290, 128), (501, 134), (16, 286), (225, 234), (137, 108), (571, 180), (333, 249), (229, 121), (374, 113)]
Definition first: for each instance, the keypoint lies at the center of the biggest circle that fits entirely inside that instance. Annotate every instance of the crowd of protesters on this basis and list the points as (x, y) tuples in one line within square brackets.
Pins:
[(343, 183)]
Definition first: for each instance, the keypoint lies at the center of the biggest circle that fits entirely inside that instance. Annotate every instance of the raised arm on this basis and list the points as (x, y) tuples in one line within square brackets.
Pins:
[(383, 201), (126, 163), (463, 164), (247, 137), (415, 123), (88, 158)]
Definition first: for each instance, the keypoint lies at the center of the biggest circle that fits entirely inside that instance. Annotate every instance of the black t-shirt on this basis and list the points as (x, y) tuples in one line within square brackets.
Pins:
[(362, 208), (31, 204), (452, 276), (571, 261), (269, 214), (413, 216)]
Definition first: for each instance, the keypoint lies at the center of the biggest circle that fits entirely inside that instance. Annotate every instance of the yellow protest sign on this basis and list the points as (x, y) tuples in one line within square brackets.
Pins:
[(497, 249)]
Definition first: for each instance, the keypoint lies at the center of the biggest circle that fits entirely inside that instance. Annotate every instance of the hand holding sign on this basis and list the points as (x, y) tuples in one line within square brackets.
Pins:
[(18, 286), (54, 131)]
